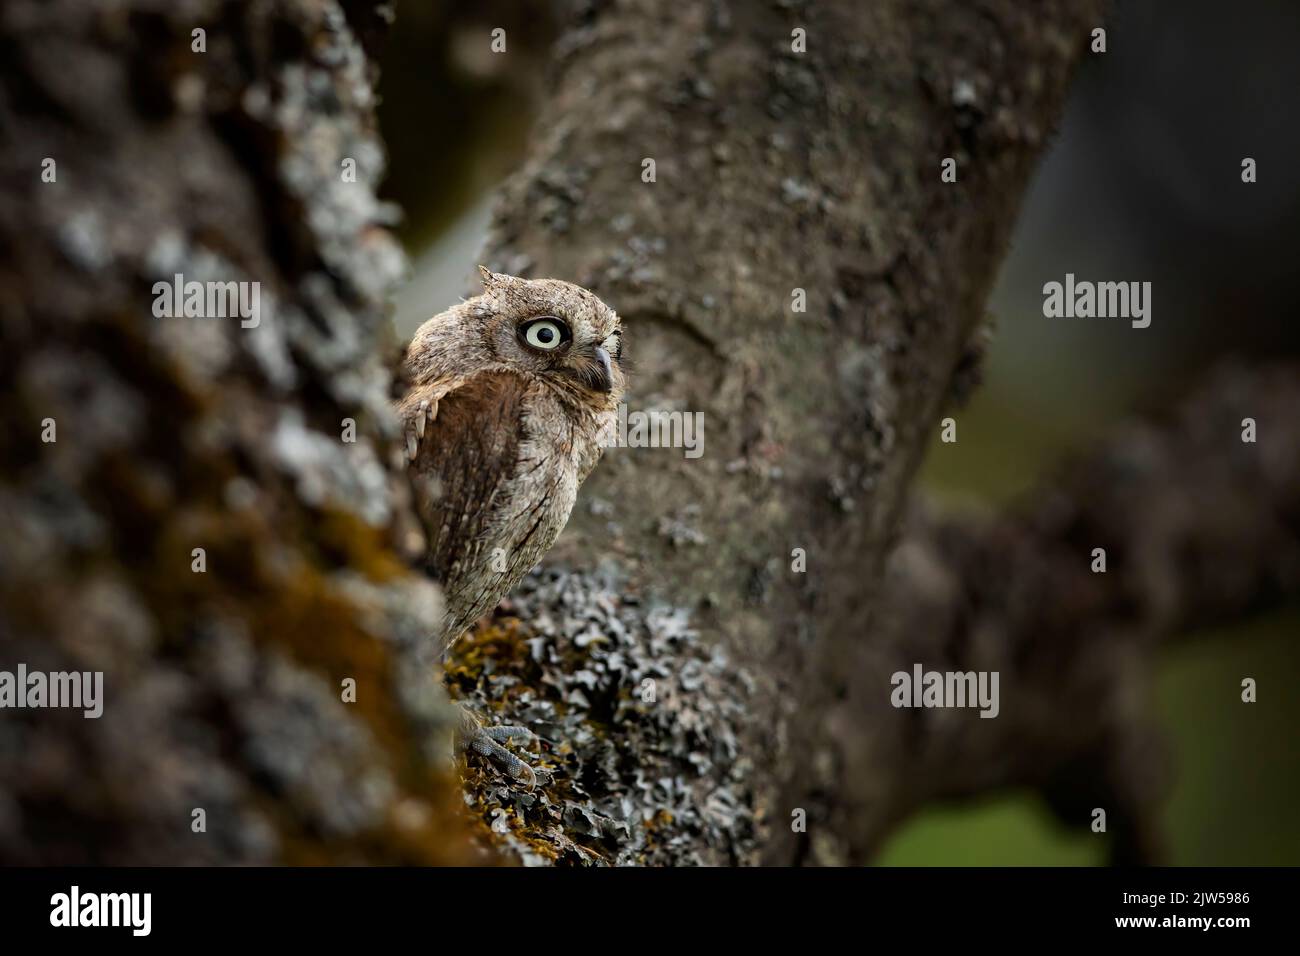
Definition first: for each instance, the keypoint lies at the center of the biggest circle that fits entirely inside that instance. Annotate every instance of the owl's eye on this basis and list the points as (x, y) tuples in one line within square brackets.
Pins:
[(545, 333)]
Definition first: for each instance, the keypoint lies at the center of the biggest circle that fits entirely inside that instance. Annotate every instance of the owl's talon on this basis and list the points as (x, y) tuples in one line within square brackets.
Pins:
[(415, 426), (486, 741), (419, 419), (506, 733)]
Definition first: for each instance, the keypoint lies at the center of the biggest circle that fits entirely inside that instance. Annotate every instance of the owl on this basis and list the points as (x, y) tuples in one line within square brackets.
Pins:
[(511, 396)]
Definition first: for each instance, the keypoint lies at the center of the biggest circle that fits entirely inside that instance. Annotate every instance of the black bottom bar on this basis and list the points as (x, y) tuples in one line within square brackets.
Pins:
[(604, 906)]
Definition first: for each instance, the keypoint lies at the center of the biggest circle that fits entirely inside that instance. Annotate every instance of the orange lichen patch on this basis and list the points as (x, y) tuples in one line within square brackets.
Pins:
[(440, 837), (349, 542), (489, 824), (324, 631), (498, 647), (637, 722), (492, 669), (273, 568), (503, 640), (494, 825), (662, 820)]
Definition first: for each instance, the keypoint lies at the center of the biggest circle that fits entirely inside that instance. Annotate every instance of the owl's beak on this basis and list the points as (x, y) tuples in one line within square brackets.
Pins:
[(603, 381)]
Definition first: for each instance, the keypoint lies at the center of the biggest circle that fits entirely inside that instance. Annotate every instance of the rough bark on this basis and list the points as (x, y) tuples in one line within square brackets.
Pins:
[(223, 688), (777, 171)]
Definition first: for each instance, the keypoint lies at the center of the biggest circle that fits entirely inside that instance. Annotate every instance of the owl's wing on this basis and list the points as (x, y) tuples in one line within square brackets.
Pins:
[(466, 456)]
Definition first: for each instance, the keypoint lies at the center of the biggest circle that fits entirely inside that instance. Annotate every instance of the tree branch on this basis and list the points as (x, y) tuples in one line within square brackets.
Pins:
[(776, 170), (1198, 527)]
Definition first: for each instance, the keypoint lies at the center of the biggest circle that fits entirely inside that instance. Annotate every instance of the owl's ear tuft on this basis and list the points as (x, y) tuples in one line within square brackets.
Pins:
[(491, 280)]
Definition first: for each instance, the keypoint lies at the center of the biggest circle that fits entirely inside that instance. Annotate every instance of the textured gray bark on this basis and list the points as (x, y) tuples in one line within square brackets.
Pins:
[(779, 171), (223, 688)]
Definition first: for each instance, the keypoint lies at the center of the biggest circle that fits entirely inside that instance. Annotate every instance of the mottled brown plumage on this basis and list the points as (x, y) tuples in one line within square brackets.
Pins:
[(511, 394)]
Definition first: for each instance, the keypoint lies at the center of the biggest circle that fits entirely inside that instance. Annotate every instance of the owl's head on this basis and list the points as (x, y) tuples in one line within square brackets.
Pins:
[(553, 331)]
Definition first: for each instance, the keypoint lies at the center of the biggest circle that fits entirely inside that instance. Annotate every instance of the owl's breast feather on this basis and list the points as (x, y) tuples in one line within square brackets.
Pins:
[(496, 476)]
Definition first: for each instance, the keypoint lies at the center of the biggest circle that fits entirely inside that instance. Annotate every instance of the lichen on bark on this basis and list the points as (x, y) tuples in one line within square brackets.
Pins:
[(223, 667)]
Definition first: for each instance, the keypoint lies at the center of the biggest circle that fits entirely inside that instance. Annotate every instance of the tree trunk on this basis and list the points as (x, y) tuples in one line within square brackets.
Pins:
[(778, 174), (181, 508)]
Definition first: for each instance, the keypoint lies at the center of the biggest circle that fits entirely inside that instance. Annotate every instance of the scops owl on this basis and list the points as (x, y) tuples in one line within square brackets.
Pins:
[(510, 396)]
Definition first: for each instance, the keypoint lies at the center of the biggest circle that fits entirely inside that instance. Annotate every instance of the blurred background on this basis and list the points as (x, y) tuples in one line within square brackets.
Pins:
[(1142, 184)]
